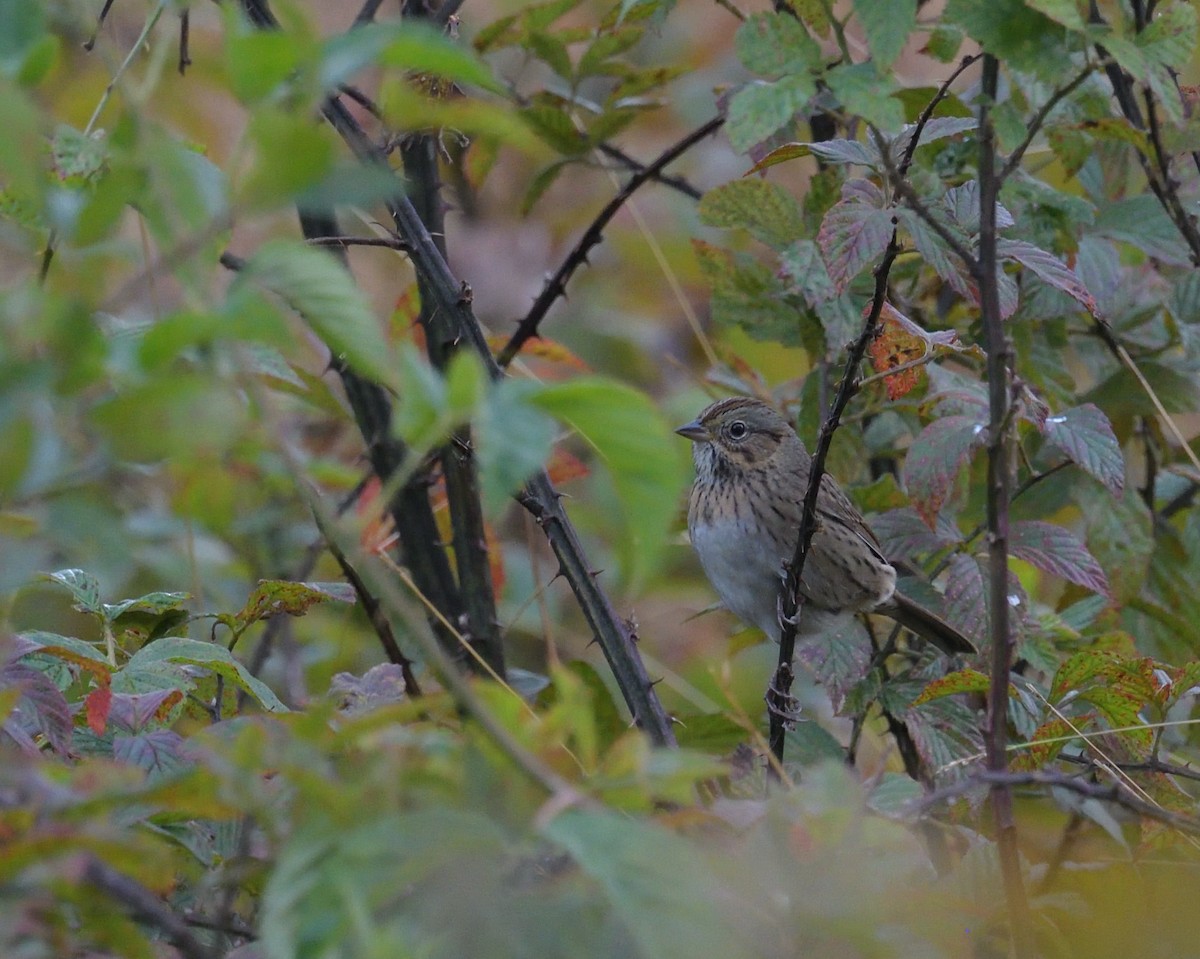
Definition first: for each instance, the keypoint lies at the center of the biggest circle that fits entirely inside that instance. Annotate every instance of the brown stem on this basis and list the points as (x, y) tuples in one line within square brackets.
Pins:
[(999, 495)]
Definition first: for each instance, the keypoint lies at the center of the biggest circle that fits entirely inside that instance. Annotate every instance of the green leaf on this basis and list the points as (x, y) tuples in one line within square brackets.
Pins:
[(259, 61), (1085, 435), (177, 650), (1066, 12), (747, 294), (838, 657), (1055, 549), (1010, 30), (271, 597), (759, 109), (154, 603), (179, 415), (865, 92), (512, 439), (943, 43), (291, 154), (769, 212), (658, 887), (775, 45), (321, 290), (82, 585), (420, 48), (887, 26), (639, 450)]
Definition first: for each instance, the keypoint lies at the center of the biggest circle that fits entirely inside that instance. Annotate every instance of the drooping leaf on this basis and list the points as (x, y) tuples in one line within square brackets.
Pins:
[(82, 585), (1085, 435), (966, 598), (760, 109), (899, 342), (636, 445), (855, 232), (838, 657), (960, 681), (935, 459), (657, 886), (775, 45), (904, 535), (320, 289), (1055, 549), (1049, 268)]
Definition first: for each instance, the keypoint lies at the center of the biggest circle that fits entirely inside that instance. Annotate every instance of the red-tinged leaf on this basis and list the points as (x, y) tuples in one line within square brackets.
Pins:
[(1036, 753), (966, 598), (838, 658), (553, 352), (1048, 268), (133, 712), (274, 596), (960, 681), (1055, 549), (159, 753), (41, 708), (901, 341), (1085, 435), (565, 466), (904, 535), (935, 459), (855, 231), (97, 705), (789, 151), (1080, 669)]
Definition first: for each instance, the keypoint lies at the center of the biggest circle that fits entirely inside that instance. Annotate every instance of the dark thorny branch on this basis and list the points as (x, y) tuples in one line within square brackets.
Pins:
[(419, 156), (452, 300), (145, 907), (666, 179), (779, 690), (412, 514), (999, 496), (556, 286)]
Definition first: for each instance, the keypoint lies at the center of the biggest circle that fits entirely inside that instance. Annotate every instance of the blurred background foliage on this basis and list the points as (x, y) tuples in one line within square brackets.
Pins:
[(204, 752)]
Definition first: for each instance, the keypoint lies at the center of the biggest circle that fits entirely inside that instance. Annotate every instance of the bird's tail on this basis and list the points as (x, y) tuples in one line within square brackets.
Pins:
[(912, 615)]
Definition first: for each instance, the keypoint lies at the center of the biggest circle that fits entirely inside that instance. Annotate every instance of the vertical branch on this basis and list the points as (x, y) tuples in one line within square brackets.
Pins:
[(419, 155), (999, 494), (415, 524)]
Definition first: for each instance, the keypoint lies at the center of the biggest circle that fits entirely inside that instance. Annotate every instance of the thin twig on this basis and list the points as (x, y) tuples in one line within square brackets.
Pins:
[(145, 907), (1035, 125), (378, 618), (557, 284), (344, 242)]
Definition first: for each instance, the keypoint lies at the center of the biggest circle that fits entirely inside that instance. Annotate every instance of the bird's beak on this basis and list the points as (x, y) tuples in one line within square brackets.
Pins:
[(694, 432)]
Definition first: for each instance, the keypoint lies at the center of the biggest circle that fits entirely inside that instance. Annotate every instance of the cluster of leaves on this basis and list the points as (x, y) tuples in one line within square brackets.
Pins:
[(156, 794)]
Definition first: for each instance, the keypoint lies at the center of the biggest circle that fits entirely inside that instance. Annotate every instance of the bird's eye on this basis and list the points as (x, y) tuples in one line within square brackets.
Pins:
[(737, 430)]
